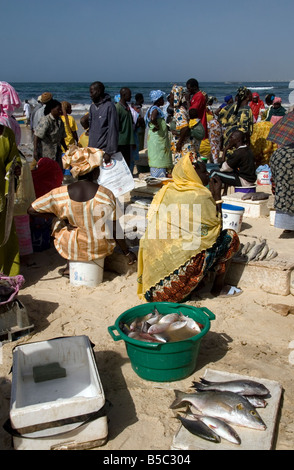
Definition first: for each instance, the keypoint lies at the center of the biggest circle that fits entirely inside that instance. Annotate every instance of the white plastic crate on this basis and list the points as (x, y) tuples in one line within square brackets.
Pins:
[(45, 413)]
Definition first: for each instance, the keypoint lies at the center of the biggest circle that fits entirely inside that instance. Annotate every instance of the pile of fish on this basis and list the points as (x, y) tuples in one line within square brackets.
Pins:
[(252, 251), (215, 406), (157, 328)]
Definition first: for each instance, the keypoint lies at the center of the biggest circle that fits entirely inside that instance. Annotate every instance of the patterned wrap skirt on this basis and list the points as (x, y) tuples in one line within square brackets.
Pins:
[(178, 285)]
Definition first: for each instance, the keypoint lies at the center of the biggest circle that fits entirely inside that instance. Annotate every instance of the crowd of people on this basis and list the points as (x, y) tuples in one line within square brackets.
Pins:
[(184, 134)]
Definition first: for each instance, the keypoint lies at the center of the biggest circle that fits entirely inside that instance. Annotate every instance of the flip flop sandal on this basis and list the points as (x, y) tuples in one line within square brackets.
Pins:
[(232, 292)]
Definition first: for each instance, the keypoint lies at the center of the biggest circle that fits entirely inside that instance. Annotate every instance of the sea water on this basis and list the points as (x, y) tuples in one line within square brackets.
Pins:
[(77, 93)]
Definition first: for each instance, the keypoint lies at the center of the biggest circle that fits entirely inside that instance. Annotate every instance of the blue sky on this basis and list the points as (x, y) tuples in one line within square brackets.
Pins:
[(154, 40)]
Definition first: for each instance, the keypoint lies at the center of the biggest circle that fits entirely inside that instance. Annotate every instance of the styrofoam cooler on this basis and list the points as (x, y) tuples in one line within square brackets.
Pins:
[(232, 217), (63, 412), (86, 273)]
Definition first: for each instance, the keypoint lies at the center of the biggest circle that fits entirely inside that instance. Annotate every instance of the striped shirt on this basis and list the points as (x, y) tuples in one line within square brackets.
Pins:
[(83, 231)]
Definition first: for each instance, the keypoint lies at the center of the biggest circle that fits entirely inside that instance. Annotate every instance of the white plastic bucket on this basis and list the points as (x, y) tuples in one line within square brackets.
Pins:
[(86, 273), (232, 217), (263, 177)]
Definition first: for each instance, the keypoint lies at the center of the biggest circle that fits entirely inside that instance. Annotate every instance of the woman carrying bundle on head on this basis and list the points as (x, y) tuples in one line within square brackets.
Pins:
[(83, 209)]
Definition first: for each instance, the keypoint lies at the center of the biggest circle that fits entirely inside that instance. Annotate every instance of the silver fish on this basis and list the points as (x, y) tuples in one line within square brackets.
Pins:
[(220, 427), (271, 255), (192, 324), (243, 387), (164, 323), (263, 253), (255, 250), (246, 196), (169, 318), (257, 402), (246, 248), (198, 428), (158, 328), (229, 406), (177, 325)]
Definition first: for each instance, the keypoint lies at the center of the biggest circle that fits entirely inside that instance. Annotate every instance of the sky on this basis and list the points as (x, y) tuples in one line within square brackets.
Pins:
[(154, 40)]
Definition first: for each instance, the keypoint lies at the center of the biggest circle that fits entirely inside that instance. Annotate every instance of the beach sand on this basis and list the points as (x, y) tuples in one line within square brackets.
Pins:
[(247, 337)]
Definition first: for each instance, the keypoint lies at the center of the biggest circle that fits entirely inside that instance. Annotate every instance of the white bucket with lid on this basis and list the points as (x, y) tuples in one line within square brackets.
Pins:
[(263, 177), (232, 217), (86, 273)]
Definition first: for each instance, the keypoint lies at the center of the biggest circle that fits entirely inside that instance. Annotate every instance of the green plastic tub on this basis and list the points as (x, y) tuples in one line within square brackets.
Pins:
[(163, 362)]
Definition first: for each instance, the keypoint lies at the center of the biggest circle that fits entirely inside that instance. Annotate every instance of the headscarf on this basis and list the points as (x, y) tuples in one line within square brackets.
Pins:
[(228, 98), (179, 95), (117, 98), (81, 161), (9, 101), (242, 92), (277, 100), (45, 97), (187, 231), (155, 95)]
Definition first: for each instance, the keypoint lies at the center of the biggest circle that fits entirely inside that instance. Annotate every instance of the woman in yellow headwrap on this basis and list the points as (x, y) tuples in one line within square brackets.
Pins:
[(183, 239)]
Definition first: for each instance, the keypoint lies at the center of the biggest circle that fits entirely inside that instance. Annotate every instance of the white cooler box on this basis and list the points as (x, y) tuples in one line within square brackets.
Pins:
[(57, 399)]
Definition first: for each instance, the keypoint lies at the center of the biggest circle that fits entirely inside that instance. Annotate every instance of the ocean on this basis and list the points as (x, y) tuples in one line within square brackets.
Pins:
[(77, 93)]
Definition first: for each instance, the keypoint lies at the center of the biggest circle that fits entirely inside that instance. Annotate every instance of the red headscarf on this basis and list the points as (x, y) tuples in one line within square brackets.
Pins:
[(256, 106)]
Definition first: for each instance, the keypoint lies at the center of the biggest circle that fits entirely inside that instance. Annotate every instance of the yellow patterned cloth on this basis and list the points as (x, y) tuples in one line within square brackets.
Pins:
[(232, 120), (177, 230), (261, 147)]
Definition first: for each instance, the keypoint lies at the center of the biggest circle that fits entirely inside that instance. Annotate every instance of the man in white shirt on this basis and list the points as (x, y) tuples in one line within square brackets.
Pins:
[(27, 112)]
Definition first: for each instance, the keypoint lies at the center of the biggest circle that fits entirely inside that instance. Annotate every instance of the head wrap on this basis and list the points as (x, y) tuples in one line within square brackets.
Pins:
[(81, 161), (179, 95), (242, 92), (46, 97), (117, 98), (255, 95), (9, 101), (155, 95), (228, 98), (277, 100)]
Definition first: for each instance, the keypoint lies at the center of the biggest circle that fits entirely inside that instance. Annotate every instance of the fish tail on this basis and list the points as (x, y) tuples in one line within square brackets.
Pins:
[(206, 382), (199, 386), (180, 397)]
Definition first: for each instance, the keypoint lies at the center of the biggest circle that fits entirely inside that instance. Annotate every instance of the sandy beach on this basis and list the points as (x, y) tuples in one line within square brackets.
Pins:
[(250, 336)]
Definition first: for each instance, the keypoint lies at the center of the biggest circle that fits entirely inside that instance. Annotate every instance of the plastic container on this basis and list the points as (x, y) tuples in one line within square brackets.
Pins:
[(55, 410), (163, 362), (82, 273), (263, 177), (232, 217), (245, 189)]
